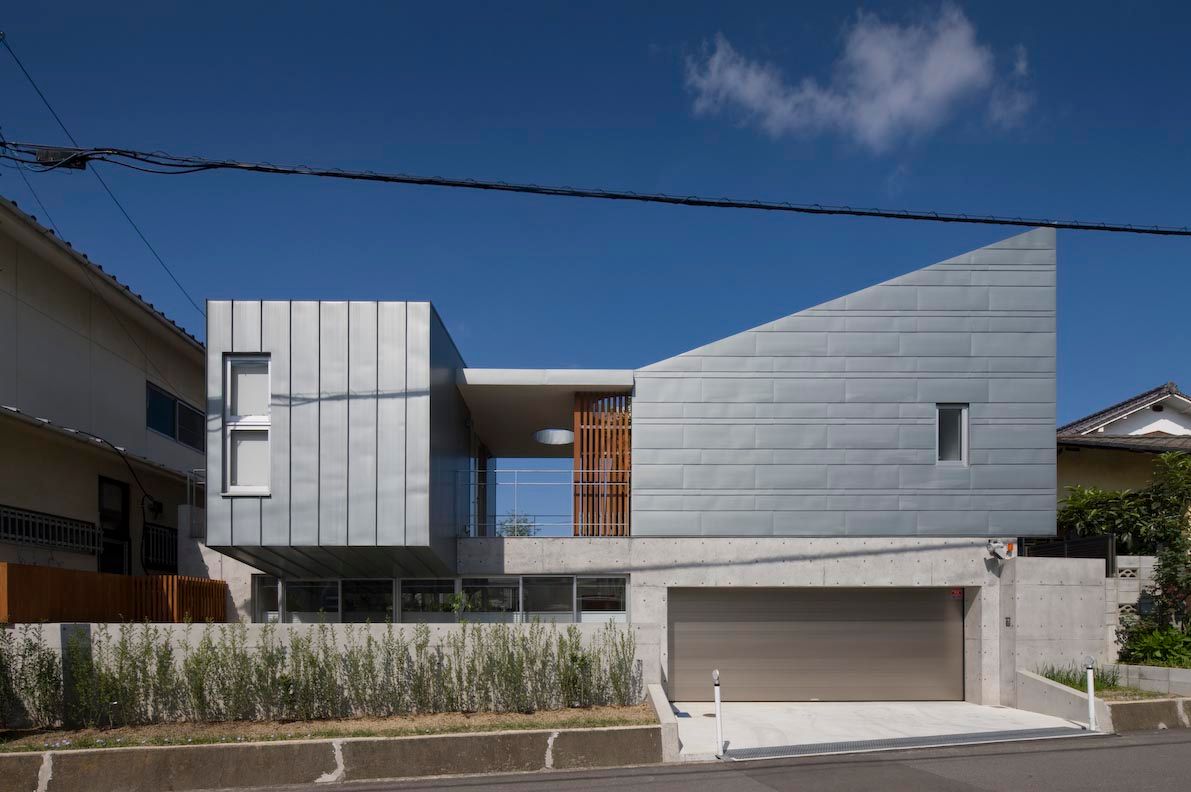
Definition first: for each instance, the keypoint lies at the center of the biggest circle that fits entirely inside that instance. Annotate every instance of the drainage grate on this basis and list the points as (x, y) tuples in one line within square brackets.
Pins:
[(936, 741)]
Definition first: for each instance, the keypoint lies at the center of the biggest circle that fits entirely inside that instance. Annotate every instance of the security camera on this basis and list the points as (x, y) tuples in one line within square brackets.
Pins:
[(1001, 550)]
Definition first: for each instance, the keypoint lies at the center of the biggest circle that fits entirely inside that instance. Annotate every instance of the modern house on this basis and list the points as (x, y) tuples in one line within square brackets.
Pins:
[(1114, 448), (101, 419), (807, 505)]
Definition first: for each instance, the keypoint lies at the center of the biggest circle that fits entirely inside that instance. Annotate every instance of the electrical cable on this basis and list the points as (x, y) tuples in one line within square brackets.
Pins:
[(104, 184), (172, 164)]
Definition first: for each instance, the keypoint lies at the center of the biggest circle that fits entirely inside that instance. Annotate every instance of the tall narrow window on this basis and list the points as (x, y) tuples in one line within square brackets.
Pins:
[(952, 438), (246, 425)]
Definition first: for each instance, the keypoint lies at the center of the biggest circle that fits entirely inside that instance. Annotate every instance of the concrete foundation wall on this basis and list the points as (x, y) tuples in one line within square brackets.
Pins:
[(1052, 612), (1055, 607)]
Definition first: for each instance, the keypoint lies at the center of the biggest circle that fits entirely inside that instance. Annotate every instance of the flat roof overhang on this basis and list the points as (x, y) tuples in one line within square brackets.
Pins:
[(508, 405)]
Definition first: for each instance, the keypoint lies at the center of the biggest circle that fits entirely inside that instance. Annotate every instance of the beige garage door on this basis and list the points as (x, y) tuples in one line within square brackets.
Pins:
[(802, 644)]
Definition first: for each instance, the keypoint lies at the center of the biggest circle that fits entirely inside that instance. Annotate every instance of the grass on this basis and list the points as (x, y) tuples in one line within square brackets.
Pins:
[(271, 731), (1107, 682)]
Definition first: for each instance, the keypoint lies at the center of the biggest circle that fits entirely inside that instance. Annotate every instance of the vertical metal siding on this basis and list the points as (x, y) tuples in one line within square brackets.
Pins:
[(362, 423), (390, 430), (417, 444), (275, 339), (332, 425), (219, 338), (304, 423), (246, 337)]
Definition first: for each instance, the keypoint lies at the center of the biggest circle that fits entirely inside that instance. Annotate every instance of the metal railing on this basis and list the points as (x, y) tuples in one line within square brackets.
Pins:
[(160, 549), (541, 502), (39, 529)]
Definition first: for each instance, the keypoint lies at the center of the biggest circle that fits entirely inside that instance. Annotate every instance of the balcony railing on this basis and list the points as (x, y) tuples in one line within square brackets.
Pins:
[(160, 549), (543, 502), (38, 529)]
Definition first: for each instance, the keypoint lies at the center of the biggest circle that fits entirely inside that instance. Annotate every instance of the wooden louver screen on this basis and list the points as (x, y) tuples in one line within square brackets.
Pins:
[(603, 426)]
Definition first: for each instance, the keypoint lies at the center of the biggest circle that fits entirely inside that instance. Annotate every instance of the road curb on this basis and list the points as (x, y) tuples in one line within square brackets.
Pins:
[(242, 765)]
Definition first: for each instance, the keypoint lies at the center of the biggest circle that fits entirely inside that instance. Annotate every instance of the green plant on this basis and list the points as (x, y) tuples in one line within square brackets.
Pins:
[(30, 678), (1075, 675), (1167, 646)]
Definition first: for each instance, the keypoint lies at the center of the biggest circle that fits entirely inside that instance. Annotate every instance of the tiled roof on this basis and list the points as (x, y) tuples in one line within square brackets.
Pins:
[(1155, 443), (68, 249), (1109, 413)]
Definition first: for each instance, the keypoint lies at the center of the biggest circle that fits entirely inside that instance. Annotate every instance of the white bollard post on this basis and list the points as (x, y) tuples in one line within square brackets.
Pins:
[(719, 727), (1090, 663)]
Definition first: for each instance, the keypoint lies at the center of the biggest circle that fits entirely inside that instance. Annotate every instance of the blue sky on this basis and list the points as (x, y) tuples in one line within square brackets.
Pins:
[(1033, 109)]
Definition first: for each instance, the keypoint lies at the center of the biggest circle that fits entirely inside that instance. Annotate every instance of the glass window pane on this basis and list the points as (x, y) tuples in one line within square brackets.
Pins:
[(249, 386), (951, 437), (426, 596), (601, 594), (548, 594), (249, 463), (309, 601), (368, 601), (264, 599), (190, 427), (159, 410), (491, 595)]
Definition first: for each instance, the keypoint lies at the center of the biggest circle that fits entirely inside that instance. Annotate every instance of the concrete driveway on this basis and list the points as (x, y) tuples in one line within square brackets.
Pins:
[(756, 725)]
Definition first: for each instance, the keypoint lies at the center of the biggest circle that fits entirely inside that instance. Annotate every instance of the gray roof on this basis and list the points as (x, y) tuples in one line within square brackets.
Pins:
[(68, 249), (1154, 443), (1090, 422)]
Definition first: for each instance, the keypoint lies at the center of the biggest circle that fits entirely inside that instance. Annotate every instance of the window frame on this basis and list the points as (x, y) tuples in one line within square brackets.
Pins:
[(246, 423), (963, 429), (178, 405)]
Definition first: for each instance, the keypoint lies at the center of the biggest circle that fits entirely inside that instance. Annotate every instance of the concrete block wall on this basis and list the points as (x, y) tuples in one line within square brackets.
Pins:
[(822, 423), (1121, 594)]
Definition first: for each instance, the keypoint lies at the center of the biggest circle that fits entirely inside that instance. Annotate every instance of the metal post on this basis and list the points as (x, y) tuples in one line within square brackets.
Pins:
[(1091, 666), (719, 724)]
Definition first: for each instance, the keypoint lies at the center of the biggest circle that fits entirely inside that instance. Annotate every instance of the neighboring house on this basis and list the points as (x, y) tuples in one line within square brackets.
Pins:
[(805, 505), (1114, 448), (101, 419)]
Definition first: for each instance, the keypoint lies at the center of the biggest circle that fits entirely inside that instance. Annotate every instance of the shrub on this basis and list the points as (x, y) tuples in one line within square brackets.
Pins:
[(137, 673), (1167, 646), (30, 678)]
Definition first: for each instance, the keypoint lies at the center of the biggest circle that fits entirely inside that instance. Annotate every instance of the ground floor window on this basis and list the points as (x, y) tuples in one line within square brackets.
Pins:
[(546, 598)]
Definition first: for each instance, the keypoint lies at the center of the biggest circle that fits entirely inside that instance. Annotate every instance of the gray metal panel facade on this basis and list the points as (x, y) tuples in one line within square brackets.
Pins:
[(350, 439), (817, 644), (822, 423)]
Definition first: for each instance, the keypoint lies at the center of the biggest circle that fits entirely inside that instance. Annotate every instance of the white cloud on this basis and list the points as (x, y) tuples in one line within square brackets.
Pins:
[(890, 83), (1012, 98)]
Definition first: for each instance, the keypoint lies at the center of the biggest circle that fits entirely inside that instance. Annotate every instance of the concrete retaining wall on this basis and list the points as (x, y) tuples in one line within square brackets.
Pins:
[(1157, 679), (1038, 694), (671, 745), (1150, 715), (313, 761)]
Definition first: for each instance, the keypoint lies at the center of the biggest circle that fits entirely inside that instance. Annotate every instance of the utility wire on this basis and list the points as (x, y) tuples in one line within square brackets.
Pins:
[(104, 184), (161, 163)]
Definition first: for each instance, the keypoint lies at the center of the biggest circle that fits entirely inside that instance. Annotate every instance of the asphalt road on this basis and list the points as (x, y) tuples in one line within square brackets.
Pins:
[(1133, 763)]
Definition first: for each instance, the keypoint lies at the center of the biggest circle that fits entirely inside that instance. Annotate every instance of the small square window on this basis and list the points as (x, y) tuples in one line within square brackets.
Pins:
[(952, 433), (249, 386), (249, 462)]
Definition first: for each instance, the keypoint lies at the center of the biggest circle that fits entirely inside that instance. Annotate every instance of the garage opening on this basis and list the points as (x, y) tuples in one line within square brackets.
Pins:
[(817, 644)]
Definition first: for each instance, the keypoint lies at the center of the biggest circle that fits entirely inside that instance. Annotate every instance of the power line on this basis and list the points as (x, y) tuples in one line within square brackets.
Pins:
[(50, 158), (104, 184)]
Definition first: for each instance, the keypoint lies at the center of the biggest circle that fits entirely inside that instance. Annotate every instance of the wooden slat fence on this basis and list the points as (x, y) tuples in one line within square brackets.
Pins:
[(603, 442), (49, 594)]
